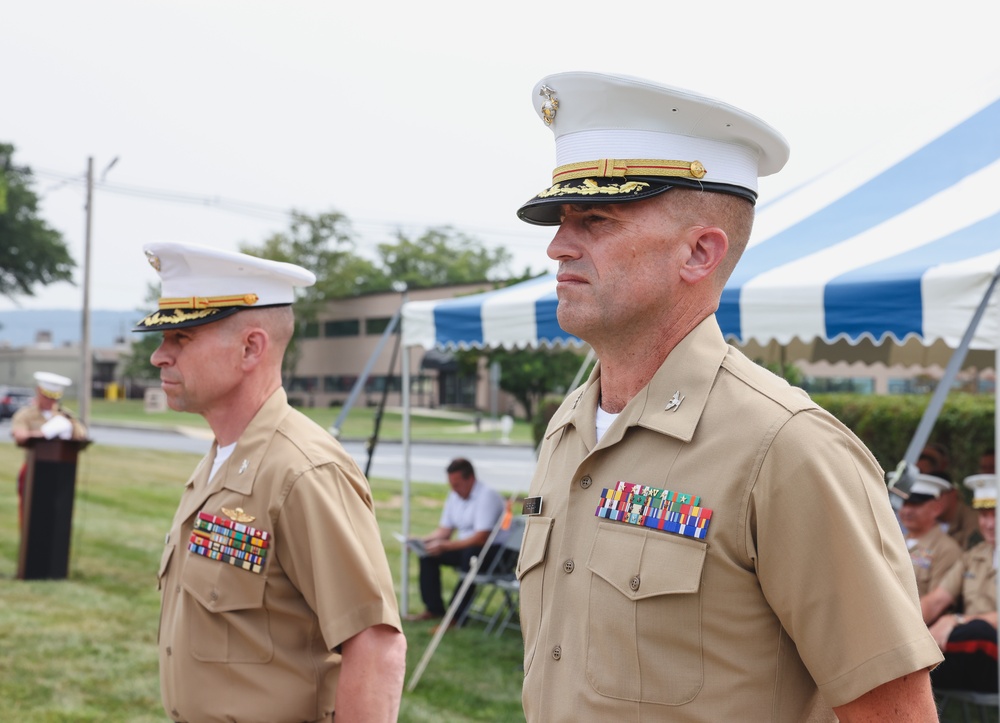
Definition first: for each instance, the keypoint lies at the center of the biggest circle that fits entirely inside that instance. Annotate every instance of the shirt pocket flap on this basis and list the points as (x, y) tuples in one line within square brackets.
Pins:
[(168, 552), (534, 544), (220, 587), (642, 564)]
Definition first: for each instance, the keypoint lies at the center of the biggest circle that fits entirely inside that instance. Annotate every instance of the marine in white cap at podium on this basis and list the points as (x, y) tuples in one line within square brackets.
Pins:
[(44, 418), (962, 610), (277, 598), (704, 543)]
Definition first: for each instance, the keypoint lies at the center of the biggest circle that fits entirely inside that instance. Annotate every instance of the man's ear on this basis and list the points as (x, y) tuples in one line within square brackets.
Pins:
[(255, 345), (708, 247)]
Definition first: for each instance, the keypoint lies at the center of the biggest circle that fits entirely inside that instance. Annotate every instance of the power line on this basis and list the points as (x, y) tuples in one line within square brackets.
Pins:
[(250, 208)]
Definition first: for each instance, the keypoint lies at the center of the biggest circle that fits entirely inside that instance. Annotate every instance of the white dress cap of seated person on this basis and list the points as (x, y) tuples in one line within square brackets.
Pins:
[(200, 285), (620, 139), (926, 487), (984, 491)]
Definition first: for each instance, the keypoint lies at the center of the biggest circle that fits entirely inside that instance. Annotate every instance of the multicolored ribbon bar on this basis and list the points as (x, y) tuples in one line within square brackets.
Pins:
[(635, 504), (215, 555), (219, 544), (235, 543), (237, 539), (262, 535)]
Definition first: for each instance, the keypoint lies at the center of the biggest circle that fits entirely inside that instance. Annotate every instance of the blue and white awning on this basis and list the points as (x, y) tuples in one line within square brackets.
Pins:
[(892, 246), (522, 315)]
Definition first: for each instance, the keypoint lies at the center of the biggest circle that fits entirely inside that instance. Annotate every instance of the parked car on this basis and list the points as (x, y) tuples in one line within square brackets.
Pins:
[(13, 398)]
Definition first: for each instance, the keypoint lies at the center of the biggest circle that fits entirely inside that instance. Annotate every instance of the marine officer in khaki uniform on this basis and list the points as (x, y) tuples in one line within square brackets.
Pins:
[(932, 552), (277, 600), (703, 543), (969, 638), (44, 417)]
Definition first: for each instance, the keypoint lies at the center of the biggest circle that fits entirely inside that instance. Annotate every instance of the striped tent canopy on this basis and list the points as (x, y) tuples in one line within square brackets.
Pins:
[(894, 248), (522, 315)]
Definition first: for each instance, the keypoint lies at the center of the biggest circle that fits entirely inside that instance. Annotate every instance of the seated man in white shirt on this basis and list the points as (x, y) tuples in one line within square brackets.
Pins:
[(471, 510)]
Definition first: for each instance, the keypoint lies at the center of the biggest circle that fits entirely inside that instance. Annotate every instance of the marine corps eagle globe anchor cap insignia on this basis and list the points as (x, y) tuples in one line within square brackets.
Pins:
[(620, 138)]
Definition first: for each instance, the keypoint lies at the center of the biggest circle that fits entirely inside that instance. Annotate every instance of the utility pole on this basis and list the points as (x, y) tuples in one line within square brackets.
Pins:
[(87, 371)]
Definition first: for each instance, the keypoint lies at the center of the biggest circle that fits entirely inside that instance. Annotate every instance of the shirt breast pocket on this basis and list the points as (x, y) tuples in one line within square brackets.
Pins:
[(645, 636), (227, 620)]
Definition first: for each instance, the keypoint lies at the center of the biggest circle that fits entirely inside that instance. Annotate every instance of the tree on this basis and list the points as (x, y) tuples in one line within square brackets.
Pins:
[(442, 256), (325, 245), (529, 374), (31, 252), (137, 365)]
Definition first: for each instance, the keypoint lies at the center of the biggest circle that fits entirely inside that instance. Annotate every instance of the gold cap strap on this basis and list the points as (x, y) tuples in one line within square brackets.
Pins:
[(206, 302), (984, 503), (611, 167)]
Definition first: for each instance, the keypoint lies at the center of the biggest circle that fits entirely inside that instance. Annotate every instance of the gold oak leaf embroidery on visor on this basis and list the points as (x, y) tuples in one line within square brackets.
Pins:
[(590, 188), (178, 316)]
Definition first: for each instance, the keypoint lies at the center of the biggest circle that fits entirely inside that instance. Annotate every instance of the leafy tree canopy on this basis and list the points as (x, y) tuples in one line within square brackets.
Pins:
[(441, 256), (529, 374), (31, 252)]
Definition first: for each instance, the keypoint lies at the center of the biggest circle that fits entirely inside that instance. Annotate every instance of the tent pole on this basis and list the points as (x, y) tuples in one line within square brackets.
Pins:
[(404, 585), (996, 443)]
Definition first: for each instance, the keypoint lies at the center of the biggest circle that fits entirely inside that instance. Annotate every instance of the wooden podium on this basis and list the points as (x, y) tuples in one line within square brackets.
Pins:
[(49, 486)]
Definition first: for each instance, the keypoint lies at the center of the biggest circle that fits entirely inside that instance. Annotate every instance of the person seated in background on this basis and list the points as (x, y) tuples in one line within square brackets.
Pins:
[(931, 550), (44, 418), (957, 518), (471, 510), (968, 638), (987, 462)]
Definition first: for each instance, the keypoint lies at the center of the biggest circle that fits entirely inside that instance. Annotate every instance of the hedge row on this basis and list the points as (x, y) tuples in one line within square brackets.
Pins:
[(887, 423)]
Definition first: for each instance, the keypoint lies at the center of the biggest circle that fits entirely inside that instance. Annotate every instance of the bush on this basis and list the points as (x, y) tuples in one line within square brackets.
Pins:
[(886, 424)]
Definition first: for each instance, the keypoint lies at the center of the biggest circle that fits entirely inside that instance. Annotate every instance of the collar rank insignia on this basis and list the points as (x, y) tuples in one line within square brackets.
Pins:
[(675, 402), (226, 540), (644, 506), (243, 468)]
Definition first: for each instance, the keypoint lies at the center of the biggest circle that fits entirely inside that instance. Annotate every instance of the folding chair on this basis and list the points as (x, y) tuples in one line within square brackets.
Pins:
[(498, 579), (984, 704)]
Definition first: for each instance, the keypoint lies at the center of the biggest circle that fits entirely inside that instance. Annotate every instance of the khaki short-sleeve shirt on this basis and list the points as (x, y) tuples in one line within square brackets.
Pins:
[(799, 596), (933, 555), (973, 579), (241, 645)]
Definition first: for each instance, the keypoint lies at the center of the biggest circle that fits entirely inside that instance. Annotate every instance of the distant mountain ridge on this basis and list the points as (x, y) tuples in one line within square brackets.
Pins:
[(20, 327)]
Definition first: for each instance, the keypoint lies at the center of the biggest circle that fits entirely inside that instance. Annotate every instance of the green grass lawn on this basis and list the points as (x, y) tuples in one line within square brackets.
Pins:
[(84, 648), (359, 424)]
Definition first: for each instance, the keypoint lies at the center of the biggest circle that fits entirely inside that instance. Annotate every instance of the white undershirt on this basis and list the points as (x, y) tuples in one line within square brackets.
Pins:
[(604, 420), (221, 455)]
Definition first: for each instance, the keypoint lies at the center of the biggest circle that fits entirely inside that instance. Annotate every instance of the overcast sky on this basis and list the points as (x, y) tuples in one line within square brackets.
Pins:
[(406, 115)]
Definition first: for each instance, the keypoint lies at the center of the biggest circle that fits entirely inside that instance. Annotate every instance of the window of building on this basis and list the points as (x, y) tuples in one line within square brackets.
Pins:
[(339, 383), (377, 382), (304, 384), (342, 327), (310, 330), (378, 325)]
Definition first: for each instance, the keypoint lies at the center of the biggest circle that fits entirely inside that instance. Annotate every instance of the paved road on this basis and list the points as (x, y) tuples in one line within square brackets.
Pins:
[(507, 468)]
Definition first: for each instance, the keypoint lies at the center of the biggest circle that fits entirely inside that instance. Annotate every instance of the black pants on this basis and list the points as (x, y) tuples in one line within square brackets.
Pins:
[(430, 578), (970, 659)]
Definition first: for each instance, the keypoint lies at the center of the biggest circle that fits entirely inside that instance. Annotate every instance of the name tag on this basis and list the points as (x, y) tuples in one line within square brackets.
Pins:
[(532, 506)]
